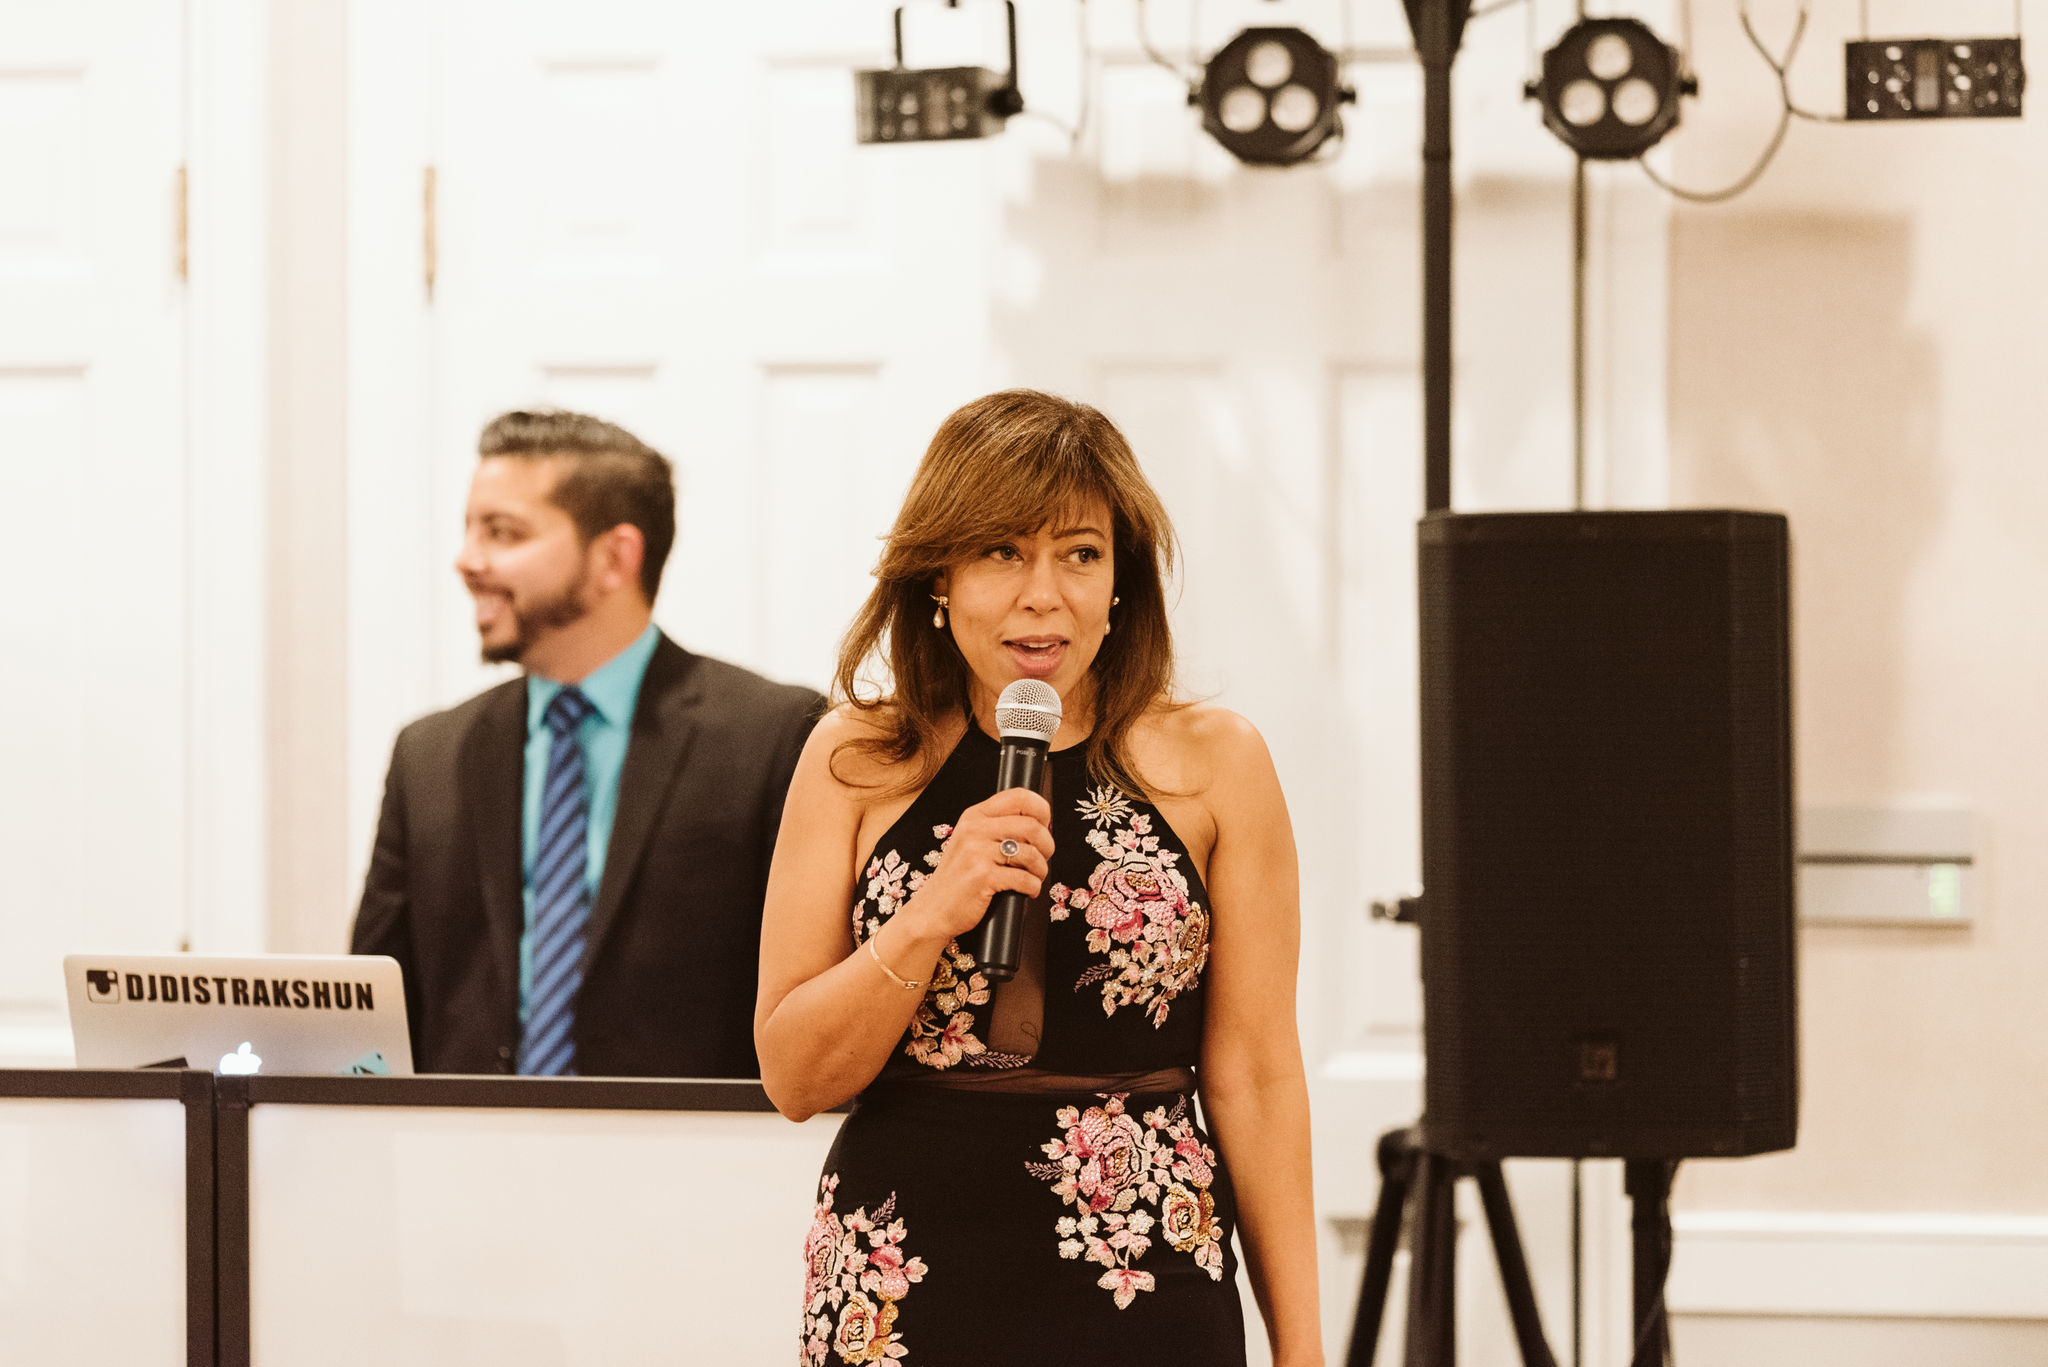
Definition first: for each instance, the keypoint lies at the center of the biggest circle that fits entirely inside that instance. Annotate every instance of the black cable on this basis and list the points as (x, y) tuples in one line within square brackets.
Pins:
[(1578, 1264), (1787, 111), (1783, 67), (1531, 47), (1158, 59), (1729, 192), (1656, 1328), (1087, 70), (1579, 267), (1332, 148), (1079, 126)]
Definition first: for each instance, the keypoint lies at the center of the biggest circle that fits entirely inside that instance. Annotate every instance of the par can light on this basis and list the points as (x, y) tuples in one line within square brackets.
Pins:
[(936, 104), (1610, 88), (1270, 96)]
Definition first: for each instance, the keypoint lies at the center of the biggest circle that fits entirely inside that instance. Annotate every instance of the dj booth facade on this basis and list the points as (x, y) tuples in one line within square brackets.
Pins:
[(252, 1221), (106, 1217)]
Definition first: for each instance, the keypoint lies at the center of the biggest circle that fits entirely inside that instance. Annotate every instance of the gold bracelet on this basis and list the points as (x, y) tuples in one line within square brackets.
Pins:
[(904, 983)]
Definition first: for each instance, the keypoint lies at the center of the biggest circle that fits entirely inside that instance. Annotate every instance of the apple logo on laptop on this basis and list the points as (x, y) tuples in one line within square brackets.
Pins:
[(241, 1061)]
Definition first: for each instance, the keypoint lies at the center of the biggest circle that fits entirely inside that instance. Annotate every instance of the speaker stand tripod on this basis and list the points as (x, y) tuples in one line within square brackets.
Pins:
[(1421, 1186)]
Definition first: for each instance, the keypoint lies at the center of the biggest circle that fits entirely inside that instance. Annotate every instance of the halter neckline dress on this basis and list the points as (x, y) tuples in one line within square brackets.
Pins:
[(1027, 1180)]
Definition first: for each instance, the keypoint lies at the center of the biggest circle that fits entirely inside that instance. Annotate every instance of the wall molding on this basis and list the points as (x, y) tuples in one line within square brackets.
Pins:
[(1860, 1264)]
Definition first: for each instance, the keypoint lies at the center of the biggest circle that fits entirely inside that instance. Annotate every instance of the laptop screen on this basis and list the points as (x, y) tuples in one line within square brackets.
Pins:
[(272, 1013)]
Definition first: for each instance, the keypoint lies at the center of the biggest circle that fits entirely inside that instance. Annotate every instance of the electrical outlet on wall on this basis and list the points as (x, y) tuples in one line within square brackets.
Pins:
[(1934, 78)]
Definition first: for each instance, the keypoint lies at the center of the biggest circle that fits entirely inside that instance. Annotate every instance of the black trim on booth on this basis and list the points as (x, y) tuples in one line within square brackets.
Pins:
[(202, 1304), (508, 1093), (95, 1084), (193, 1088), (231, 1219)]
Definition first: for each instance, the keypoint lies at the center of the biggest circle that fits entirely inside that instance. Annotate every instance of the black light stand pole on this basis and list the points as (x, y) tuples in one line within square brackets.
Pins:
[(1439, 28), (1415, 1182), (1578, 505)]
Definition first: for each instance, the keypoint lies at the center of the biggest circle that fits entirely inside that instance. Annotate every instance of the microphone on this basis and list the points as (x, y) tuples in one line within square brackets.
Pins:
[(1027, 718)]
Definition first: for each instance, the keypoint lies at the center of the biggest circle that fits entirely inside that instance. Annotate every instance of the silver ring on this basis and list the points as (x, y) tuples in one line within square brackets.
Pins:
[(1009, 849)]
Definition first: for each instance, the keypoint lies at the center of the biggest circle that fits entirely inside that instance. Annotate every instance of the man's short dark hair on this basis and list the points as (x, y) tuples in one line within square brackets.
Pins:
[(609, 477)]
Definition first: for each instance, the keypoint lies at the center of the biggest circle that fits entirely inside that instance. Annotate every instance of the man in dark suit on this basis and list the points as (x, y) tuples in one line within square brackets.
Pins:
[(570, 866)]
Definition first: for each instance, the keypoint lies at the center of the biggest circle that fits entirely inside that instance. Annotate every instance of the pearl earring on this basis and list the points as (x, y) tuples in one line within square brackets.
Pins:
[(1105, 625), (939, 613)]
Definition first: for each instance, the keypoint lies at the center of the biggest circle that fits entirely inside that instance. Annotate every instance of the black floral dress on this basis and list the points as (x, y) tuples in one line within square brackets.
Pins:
[(1027, 1181)]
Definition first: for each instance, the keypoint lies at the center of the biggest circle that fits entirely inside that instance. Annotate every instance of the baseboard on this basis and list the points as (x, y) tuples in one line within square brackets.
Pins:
[(1878, 1264)]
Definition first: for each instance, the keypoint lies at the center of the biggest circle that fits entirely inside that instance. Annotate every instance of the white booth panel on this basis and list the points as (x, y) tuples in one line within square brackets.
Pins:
[(442, 1236), (92, 1231)]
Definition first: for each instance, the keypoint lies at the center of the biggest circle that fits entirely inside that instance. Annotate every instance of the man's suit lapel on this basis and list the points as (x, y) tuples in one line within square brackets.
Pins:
[(664, 724), (493, 778)]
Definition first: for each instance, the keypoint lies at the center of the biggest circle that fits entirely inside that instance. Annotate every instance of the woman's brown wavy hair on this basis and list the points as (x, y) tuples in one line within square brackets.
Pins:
[(1004, 466)]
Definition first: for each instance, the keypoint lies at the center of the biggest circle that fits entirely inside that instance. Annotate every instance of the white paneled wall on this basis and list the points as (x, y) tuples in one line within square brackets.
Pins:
[(94, 538)]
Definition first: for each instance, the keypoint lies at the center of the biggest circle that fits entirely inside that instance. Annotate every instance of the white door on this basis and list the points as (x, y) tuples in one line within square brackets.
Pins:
[(664, 221), (92, 497)]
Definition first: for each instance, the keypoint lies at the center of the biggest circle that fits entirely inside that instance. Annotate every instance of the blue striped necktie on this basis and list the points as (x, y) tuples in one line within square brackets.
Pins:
[(561, 897)]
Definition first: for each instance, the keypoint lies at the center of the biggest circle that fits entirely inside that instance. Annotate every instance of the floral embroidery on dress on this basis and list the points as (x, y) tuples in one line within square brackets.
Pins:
[(1155, 936), (1105, 806), (851, 1292), (942, 1032), (1129, 1180)]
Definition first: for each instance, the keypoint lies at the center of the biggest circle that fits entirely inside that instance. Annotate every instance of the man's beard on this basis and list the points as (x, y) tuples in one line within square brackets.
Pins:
[(548, 614)]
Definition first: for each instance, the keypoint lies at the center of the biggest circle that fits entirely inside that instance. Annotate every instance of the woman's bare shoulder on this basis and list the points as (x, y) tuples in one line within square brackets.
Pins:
[(854, 722), (850, 748), (1203, 729), (842, 752), (1192, 746)]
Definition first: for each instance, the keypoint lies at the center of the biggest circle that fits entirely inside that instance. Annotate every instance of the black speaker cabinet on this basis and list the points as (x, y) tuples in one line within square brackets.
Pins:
[(1607, 918)]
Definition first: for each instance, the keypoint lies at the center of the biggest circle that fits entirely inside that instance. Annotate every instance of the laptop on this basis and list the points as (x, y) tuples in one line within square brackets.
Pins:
[(270, 1013)]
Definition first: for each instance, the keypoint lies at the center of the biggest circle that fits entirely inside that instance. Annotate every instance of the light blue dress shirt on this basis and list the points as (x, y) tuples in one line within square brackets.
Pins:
[(614, 690)]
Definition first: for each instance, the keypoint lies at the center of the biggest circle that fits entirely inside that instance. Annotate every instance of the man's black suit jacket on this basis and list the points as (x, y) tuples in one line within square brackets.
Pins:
[(674, 939)]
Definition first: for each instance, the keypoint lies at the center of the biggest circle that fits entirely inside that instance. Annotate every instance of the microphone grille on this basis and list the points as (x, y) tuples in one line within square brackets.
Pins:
[(1030, 709)]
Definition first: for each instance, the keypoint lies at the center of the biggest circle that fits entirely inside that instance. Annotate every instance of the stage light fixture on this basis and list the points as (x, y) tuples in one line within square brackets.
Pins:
[(936, 104), (1935, 78), (1610, 88), (1270, 96)]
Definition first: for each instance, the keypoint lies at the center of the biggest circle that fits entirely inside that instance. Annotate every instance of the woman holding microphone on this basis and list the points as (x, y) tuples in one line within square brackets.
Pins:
[(1052, 1167)]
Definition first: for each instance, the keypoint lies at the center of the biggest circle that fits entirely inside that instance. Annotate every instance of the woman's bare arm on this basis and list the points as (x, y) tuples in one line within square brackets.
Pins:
[(1253, 1085), (827, 1016)]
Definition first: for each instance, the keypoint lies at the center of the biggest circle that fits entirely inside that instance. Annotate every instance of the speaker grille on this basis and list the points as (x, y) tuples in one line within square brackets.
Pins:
[(1606, 821)]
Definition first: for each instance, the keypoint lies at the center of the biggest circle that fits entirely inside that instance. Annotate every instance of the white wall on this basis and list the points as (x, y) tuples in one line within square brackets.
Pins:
[(1857, 342)]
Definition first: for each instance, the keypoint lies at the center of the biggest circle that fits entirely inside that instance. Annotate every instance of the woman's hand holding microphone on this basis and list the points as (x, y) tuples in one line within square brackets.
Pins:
[(1001, 845)]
